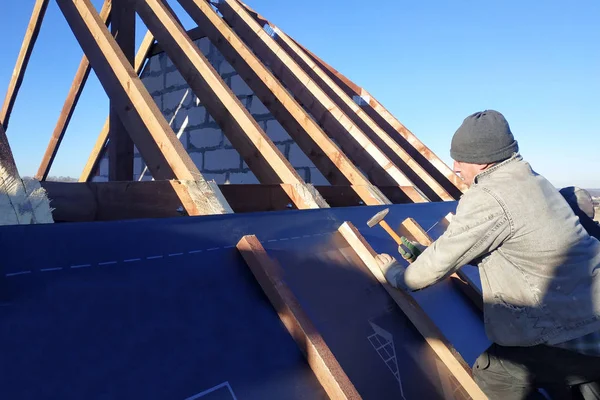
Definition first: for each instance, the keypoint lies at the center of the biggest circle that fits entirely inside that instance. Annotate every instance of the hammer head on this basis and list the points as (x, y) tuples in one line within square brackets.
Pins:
[(377, 218)]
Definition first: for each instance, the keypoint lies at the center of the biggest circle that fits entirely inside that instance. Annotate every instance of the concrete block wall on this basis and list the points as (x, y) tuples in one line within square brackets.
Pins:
[(200, 135)]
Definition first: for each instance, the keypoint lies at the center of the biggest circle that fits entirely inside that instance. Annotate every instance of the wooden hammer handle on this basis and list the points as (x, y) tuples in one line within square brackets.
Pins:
[(389, 230)]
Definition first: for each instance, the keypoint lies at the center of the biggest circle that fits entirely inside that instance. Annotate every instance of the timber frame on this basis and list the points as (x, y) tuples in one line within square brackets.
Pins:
[(366, 154)]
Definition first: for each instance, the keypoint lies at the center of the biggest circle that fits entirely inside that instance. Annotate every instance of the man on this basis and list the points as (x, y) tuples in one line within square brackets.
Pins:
[(583, 205), (540, 270)]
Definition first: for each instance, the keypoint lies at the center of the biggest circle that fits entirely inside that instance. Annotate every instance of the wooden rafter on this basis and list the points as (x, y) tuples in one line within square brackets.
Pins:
[(158, 144), (402, 135), (429, 186), (64, 118), (313, 141), (120, 147), (431, 333), (269, 274), (355, 143), (33, 30), (99, 147), (260, 153)]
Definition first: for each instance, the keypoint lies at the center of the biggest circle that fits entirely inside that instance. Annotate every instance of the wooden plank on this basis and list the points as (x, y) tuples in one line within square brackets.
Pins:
[(434, 337), (16, 79), (419, 176), (312, 140), (159, 146), (402, 135), (353, 141), (64, 118), (323, 363), (256, 148), (99, 147), (120, 145), (106, 201)]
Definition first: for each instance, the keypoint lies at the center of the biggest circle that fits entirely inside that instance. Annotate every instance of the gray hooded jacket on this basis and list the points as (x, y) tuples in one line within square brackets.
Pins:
[(540, 270)]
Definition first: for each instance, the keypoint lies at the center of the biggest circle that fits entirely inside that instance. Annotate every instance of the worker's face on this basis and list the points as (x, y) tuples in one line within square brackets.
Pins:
[(468, 171)]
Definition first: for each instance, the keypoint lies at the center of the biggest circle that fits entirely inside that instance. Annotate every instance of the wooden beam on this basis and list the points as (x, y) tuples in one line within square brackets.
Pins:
[(159, 146), (120, 147), (434, 337), (402, 135), (33, 29), (419, 176), (99, 147), (335, 166), (323, 363), (106, 201), (353, 141), (69, 107), (256, 148)]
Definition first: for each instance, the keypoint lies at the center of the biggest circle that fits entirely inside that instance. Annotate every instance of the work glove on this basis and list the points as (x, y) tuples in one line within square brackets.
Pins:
[(409, 250), (391, 269)]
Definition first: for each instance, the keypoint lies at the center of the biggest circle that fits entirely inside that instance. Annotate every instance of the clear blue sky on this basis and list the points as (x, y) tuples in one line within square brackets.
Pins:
[(431, 63)]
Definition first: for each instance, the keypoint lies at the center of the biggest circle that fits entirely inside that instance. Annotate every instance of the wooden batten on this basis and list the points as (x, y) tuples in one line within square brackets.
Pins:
[(269, 275), (159, 146), (247, 137), (355, 143)]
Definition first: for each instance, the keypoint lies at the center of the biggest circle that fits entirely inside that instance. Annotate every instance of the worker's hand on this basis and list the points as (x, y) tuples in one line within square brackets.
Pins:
[(409, 250), (390, 268)]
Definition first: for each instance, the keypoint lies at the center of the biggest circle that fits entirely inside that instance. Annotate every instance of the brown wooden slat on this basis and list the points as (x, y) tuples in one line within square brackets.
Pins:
[(323, 363), (69, 107), (120, 145), (105, 201), (161, 149), (357, 146), (256, 148), (313, 141), (33, 30), (431, 333)]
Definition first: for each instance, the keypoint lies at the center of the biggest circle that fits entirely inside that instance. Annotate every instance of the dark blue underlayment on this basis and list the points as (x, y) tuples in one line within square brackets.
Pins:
[(168, 309)]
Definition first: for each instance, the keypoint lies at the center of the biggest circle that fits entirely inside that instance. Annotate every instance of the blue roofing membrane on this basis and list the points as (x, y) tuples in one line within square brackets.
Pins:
[(167, 309)]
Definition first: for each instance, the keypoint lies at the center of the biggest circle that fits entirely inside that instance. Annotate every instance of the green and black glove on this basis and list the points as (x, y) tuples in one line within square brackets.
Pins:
[(410, 251)]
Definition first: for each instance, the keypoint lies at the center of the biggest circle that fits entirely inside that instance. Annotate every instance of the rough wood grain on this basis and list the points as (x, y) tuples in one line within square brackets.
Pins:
[(269, 275)]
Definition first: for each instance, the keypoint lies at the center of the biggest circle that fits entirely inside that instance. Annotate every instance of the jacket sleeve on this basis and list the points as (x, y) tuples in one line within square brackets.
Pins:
[(479, 226)]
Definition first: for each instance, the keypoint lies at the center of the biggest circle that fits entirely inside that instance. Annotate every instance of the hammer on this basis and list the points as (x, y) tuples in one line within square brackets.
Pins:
[(378, 219)]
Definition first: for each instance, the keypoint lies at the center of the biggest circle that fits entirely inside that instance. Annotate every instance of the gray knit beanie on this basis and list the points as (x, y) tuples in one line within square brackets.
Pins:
[(483, 138)]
